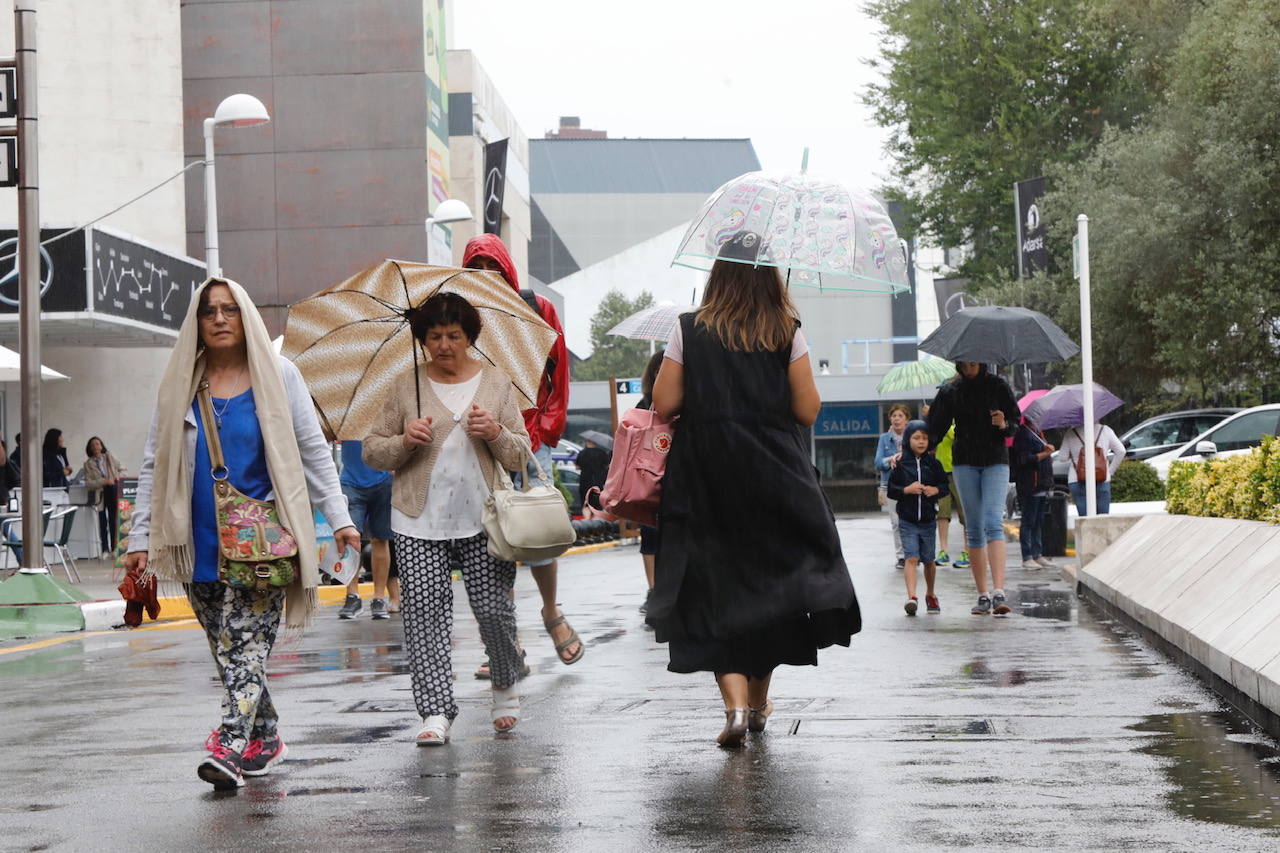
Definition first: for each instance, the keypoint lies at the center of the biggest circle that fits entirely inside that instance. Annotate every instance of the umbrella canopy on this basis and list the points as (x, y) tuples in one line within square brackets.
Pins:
[(654, 323), (11, 368), (995, 334), (1063, 406), (605, 441), (1030, 397), (352, 340), (908, 375), (825, 234)]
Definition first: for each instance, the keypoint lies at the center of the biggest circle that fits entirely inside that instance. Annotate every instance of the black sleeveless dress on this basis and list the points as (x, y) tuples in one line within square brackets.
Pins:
[(749, 570)]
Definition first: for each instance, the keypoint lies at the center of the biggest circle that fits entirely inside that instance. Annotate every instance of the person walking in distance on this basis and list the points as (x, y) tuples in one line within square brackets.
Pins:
[(274, 450), (916, 483), (888, 450), (1033, 476), (982, 407), (545, 424), (749, 573), (369, 499), (103, 474)]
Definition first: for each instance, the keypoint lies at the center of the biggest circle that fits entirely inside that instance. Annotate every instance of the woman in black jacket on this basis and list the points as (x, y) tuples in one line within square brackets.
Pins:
[(982, 407)]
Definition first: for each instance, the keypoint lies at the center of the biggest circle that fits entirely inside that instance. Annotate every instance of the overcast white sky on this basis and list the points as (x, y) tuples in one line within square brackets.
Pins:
[(784, 74)]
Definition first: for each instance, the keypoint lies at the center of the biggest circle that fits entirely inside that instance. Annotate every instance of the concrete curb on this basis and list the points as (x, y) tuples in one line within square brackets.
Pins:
[(1208, 591)]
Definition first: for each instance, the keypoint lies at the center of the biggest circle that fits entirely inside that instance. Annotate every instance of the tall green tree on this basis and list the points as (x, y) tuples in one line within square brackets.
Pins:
[(1184, 224), (982, 93), (613, 356)]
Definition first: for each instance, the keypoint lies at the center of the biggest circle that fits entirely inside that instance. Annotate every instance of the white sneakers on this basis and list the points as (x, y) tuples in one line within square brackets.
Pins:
[(1046, 563), (1031, 564)]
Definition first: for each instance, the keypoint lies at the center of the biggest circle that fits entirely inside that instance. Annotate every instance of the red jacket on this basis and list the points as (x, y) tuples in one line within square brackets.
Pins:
[(545, 423)]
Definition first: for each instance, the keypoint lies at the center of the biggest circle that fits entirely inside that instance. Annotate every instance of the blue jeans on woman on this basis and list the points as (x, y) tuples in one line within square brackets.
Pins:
[(1102, 491), (983, 489), (1031, 529)]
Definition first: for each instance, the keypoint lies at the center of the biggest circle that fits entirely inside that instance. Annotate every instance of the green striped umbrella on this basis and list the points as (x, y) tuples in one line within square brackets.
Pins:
[(908, 375)]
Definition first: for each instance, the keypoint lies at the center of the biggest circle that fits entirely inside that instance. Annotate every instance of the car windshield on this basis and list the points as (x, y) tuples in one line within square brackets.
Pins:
[(1156, 434)]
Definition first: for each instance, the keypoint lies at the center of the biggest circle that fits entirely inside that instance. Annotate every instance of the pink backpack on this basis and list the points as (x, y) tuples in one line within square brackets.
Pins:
[(634, 484)]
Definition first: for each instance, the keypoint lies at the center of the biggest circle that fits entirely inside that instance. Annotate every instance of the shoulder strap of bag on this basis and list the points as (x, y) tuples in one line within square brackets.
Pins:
[(216, 461)]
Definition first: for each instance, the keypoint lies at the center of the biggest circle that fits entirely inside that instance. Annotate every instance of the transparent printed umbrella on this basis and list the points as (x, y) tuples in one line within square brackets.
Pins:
[(825, 235)]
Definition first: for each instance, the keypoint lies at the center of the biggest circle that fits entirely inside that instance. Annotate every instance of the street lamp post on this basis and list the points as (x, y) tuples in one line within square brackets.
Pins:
[(448, 211), (236, 111)]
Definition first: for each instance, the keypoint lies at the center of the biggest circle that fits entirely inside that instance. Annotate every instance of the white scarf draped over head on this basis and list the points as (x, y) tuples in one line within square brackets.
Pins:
[(171, 550)]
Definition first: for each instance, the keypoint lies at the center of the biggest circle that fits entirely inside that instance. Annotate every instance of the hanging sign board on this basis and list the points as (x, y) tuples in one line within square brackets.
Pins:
[(8, 93)]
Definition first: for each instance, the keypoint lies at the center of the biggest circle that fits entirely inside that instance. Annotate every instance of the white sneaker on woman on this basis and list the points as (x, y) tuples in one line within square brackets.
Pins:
[(1046, 563), (1031, 564), (434, 731)]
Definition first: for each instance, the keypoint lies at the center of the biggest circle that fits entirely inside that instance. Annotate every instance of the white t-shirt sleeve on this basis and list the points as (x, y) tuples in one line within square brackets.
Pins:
[(675, 346)]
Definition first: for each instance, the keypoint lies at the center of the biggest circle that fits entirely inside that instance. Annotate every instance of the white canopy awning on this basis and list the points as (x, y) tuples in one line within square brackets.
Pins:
[(11, 368)]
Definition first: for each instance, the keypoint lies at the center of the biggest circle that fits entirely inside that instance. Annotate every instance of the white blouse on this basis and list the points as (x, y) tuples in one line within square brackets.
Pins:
[(456, 495)]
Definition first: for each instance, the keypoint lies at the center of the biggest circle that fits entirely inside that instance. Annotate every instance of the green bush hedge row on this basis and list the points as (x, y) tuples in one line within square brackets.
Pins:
[(1136, 481), (1245, 486)]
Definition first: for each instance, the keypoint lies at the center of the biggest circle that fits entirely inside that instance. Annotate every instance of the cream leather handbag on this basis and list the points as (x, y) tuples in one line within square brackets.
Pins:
[(529, 525)]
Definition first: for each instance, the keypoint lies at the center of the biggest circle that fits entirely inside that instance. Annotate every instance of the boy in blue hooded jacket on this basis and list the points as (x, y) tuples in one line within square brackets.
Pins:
[(916, 482)]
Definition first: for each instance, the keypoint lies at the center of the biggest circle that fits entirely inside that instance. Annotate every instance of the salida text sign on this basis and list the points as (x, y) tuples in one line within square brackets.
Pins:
[(847, 420)]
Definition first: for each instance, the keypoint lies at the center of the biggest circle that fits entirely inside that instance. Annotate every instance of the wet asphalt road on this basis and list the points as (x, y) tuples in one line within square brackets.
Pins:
[(1052, 729)]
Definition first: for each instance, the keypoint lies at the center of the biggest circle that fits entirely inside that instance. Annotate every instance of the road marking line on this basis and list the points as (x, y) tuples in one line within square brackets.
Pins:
[(175, 625)]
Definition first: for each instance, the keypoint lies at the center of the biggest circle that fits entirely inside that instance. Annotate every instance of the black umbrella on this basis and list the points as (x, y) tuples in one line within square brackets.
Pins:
[(994, 334)]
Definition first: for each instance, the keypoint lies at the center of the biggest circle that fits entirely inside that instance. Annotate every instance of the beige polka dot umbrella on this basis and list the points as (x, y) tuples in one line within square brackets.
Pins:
[(352, 340)]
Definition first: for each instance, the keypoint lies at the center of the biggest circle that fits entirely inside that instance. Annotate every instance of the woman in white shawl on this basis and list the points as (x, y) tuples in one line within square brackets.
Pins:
[(274, 450)]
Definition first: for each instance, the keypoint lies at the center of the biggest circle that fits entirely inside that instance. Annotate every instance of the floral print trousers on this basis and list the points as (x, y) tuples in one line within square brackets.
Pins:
[(241, 627)]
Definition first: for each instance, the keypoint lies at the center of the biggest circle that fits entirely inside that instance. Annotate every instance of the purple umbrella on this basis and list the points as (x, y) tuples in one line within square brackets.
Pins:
[(1063, 406)]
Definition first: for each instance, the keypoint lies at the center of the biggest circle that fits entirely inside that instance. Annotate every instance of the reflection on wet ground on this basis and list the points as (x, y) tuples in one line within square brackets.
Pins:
[(1221, 767)]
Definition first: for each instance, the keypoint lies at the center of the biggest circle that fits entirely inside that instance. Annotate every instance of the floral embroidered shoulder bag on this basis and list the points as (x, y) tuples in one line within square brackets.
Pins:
[(255, 551)]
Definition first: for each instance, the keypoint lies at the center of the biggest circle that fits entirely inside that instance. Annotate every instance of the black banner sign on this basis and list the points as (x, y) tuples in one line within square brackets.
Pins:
[(952, 297), (135, 281), (61, 272), (1033, 254), (495, 185)]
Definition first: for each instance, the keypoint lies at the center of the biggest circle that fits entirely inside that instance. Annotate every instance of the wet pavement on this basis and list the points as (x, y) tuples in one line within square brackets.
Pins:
[(1052, 729)]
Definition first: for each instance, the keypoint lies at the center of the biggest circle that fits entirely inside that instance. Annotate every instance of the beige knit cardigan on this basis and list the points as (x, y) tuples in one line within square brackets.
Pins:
[(384, 448)]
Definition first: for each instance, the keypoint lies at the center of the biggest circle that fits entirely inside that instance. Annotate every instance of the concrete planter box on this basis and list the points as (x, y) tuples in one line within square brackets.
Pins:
[(1208, 587)]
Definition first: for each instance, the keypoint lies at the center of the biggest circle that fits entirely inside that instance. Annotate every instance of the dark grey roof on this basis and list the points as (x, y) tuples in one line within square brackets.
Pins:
[(637, 165)]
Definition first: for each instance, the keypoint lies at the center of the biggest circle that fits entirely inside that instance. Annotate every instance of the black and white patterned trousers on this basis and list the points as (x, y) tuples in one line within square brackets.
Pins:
[(241, 627), (426, 596)]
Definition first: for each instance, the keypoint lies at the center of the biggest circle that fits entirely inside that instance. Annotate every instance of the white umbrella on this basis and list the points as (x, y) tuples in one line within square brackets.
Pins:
[(11, 368), (654, 323)]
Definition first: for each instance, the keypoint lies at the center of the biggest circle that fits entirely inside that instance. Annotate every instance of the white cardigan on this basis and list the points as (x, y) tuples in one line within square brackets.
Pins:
[(317, 461)]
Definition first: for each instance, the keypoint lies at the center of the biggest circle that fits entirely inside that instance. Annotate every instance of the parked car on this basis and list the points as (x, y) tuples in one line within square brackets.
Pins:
[(1238, 434), (564, 454), (1168, 432)]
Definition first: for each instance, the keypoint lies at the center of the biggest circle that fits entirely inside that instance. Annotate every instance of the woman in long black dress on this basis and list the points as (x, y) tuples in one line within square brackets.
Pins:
[(749, 569)]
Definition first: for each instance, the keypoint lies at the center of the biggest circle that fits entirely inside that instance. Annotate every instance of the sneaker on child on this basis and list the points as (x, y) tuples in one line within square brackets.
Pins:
[(943, 558), (378, 609), (983, 607), (999, 606), (221, 767), (931, 604), (963, 562), (350, 607), (911, 606)]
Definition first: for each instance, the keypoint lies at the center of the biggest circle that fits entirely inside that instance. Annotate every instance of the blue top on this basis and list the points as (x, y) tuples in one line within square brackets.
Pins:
[(890, 443), (246, 458), (355, 472)]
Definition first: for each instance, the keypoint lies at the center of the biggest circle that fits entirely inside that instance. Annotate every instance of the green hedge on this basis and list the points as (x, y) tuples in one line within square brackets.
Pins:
[(1245, 486), (1136, 481)]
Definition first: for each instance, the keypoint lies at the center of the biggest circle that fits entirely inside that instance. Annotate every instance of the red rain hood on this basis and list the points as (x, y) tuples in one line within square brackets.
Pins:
[(492, 247)]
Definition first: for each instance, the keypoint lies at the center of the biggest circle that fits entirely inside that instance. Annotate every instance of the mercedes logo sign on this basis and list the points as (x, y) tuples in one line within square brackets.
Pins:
[(9, 251)]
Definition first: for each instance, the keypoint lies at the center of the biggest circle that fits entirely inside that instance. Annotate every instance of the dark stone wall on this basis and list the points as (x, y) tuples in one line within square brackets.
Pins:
[(338, 179)]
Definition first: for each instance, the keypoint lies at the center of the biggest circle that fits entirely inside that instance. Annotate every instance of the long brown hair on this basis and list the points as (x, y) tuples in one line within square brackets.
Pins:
[(748, 308)]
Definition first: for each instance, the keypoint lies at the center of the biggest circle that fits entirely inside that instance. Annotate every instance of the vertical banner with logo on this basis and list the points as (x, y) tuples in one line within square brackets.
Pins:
[(495, 185), (1033, 254), (952, 296)]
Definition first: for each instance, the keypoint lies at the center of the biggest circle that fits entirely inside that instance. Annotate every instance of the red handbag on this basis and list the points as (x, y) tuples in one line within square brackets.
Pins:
[(633, 488)]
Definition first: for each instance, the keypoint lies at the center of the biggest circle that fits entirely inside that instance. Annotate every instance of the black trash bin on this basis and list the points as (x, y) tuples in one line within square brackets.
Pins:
[(1054, 527)]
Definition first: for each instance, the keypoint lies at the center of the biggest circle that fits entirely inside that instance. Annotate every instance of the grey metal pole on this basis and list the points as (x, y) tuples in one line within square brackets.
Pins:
[(29, 279)]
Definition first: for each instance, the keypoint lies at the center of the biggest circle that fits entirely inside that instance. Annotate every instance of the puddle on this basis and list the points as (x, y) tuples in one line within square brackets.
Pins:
[(1223, 770), (305, 792), (1040, 602)]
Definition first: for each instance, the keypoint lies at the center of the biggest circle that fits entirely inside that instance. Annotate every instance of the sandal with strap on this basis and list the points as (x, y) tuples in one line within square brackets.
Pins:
[(506, 704), (551, 625), (758, 718), (434, 731)]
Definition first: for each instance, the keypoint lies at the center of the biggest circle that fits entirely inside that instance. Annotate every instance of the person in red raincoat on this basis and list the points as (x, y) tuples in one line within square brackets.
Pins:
[(545, 424)]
